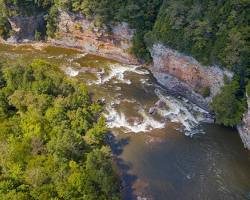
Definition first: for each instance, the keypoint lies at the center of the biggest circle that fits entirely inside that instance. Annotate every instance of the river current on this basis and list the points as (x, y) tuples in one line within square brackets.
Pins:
[(163, 148)]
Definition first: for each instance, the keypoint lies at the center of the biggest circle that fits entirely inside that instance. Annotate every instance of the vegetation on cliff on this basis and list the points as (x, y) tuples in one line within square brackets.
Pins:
[(214, 32), (52, 138), (227, 107)]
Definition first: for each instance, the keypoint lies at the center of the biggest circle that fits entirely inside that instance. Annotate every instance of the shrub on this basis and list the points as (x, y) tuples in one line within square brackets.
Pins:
[(248, 89), (38, 36), (52, 22), (227, 107), (5, 27), (78, 27)]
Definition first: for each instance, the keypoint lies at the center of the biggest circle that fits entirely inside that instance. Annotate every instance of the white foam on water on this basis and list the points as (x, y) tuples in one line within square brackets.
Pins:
[(119, 120), (76, 57), (118, 88), (80, 55), (143, 81), (99, 76), (71, 72), (117, 71), (181, 112), (60, 56)]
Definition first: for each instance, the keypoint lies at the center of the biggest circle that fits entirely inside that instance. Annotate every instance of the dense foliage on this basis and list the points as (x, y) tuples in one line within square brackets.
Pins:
[(227, 106), (52, 138), (214, 32)]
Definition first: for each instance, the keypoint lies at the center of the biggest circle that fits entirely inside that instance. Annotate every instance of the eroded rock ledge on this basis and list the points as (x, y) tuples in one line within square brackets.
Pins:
[(186, 76), (76, 31), (24, 28)]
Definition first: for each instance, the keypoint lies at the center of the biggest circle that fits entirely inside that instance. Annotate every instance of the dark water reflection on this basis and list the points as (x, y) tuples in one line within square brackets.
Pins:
[(170, 165)]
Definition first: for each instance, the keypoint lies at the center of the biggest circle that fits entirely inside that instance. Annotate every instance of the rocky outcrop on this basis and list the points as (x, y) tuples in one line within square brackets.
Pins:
[(185, 76), (24, 28), (77, 31), (244, 127)]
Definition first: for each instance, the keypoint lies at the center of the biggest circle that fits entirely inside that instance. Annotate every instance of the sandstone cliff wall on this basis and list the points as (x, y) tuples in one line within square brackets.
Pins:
[(77, 31), (24, 28), (186, 76)]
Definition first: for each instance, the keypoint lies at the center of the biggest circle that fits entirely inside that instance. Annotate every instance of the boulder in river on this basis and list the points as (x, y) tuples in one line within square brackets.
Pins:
[(152, 111), (160, 104), (101, 101)]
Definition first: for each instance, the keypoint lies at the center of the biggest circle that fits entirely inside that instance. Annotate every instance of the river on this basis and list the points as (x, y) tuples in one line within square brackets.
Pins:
[(170, 154)]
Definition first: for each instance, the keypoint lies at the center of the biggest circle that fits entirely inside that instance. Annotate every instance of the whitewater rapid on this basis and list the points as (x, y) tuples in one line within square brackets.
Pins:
[(174, 110)]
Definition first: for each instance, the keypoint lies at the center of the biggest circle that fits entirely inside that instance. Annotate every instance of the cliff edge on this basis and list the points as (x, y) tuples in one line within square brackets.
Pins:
[(244, 127), (186, 76)]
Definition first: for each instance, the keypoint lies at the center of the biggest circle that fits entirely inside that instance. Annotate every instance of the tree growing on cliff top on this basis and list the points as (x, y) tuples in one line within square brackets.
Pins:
[(227, 107)]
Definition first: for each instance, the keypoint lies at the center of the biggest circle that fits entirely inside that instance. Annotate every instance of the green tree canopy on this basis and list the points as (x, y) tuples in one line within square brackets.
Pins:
[(52, 138)]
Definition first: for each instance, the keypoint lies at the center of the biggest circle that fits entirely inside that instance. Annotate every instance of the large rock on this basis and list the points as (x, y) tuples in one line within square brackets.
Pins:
[(77, 31), (185, 76), (244, 127)]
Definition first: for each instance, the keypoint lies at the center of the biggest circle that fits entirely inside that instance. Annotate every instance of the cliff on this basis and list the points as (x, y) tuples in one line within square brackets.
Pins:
[(244, 127), (76, 31), (187, 77), (24, 28)]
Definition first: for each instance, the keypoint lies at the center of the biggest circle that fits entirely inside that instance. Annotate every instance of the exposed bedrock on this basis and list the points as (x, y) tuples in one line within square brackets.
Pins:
[(185, 76), (79, 32), (24, 28)]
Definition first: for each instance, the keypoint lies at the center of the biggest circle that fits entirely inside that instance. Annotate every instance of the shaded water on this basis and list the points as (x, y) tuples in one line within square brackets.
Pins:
[(157, 157)]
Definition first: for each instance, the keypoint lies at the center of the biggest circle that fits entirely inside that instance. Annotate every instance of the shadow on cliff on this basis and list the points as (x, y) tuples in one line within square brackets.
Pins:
[(127, 180)]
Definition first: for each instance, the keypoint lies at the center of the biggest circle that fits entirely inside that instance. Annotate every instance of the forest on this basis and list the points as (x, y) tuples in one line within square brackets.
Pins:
[(52, 138), (215, 32)]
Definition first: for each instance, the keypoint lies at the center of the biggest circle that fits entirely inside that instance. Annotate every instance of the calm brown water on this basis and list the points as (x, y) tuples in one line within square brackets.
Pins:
[(155, 157)]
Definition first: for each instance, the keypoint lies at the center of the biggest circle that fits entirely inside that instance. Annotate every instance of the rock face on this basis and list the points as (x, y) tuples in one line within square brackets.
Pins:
[(77, 31), (185, 76), (244, 127), (24, 28)]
